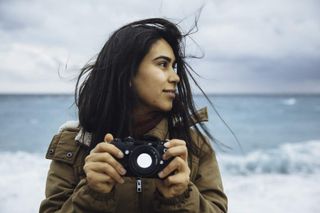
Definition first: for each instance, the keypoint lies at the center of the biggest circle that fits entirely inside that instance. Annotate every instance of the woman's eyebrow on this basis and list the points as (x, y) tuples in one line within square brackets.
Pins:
[(165, 58)]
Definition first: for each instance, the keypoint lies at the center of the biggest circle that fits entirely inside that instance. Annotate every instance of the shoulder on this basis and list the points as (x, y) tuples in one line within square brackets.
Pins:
[(69, 125), (201, 141), (63, 146)]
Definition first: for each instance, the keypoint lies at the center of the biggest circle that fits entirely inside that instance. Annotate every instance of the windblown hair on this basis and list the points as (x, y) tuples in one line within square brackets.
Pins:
[(104, 98)]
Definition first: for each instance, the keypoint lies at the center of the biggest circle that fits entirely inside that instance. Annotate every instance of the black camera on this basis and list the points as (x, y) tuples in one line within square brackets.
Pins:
[(142, 158)]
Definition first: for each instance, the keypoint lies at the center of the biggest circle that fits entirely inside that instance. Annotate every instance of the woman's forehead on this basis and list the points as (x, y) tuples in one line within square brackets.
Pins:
[(161, 48)]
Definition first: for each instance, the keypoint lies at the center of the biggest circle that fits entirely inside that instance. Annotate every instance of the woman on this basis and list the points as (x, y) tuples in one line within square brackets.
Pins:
[(137, 86)]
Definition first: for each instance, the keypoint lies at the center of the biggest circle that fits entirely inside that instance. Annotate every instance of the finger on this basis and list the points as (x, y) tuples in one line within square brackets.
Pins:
[(106, 158), (106, 147), (96, 178), (176, 190), (175, 164), (108, 137), (179, 178), (180, 150), (106, 169), (175, 142)]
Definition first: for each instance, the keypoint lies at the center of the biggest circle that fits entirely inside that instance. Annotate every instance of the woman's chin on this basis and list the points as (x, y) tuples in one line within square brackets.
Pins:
[(166, 108)]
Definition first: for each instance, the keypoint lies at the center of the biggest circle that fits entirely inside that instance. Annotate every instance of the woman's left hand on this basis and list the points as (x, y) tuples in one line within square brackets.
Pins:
[(176, 184)]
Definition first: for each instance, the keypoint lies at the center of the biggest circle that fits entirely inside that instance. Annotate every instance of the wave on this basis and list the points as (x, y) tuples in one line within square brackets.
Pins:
[(290, 158), (22, 173), (22, 181), (289, 101)]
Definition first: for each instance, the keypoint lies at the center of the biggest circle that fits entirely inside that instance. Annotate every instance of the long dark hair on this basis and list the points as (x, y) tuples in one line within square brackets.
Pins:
[(105, 99)]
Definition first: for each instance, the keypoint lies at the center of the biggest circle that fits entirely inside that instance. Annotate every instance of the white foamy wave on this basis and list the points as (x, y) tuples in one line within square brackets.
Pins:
[(22, 184), (276, 193), (290, 158), (22, 181), (290, 101)]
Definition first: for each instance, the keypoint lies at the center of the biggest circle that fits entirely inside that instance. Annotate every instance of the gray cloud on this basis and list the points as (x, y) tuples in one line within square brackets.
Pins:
[(249, 46)]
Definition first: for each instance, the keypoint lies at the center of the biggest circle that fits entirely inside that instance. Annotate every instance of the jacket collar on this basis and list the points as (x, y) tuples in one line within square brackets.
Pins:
[(160, 131)]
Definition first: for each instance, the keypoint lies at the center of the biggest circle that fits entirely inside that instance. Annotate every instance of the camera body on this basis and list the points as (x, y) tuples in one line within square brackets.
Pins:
[(142, 158)]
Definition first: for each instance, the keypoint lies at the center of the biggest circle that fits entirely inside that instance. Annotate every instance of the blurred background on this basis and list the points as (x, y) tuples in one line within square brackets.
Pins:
[(260, 68)]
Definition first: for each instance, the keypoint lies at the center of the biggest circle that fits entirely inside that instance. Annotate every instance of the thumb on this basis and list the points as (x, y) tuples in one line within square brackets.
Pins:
[(108, 137)]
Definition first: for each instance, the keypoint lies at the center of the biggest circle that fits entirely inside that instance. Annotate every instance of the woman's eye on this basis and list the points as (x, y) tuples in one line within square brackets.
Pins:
[(163, 64)]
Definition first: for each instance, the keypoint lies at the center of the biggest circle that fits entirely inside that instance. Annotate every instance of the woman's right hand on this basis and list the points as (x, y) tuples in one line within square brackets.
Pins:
[(102, 169)]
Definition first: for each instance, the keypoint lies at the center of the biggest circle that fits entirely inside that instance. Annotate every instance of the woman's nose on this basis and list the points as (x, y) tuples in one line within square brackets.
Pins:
[(174, 77)]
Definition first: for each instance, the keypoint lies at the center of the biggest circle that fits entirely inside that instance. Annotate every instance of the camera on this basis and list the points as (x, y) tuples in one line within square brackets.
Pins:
[(142, 158)]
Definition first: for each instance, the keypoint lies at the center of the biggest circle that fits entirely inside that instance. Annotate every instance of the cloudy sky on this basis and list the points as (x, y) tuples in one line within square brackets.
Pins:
[(249, 46)]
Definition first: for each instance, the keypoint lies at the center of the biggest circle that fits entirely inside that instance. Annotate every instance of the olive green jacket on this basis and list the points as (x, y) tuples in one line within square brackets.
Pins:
[(67, 189)]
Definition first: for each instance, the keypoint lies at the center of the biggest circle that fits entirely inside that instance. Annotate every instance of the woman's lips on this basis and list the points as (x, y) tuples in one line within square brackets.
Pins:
[(170, 93)]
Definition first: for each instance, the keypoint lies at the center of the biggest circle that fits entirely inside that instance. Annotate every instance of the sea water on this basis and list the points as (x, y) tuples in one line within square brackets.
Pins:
[(271, 162)]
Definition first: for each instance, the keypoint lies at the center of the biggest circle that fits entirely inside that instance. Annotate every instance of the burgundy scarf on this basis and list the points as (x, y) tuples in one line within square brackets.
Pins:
[(143, 124)]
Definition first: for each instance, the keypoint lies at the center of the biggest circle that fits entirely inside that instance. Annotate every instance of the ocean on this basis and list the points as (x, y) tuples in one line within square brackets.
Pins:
[(268, 149)]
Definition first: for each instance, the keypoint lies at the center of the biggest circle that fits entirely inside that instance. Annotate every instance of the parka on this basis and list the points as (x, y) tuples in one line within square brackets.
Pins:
[(67, 190)]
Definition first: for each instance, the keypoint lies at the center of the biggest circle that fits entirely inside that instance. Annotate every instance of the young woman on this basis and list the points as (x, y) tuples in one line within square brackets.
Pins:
[(138, 86)]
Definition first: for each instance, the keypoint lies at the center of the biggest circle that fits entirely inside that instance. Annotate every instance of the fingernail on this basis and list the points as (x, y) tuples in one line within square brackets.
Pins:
[(107, 136), (123, 171), (121, 181), (160, 174), (166, 144), (120, 155)]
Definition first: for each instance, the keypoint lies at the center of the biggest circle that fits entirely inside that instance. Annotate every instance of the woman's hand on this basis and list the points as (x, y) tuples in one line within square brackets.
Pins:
[(176, 184), (102, 170)]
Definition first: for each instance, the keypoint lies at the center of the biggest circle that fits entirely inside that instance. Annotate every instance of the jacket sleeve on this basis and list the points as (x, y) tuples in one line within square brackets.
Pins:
[(65, 193), (205, 194)]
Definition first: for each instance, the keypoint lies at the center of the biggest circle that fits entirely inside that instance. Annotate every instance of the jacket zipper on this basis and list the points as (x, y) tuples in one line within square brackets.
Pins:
[(139, 191)]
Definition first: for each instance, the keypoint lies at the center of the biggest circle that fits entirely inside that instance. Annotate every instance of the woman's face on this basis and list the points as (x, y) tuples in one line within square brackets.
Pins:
[(156, 80)]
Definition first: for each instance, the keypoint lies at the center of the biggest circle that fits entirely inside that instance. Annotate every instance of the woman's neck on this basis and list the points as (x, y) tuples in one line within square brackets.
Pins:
[(144, 121)]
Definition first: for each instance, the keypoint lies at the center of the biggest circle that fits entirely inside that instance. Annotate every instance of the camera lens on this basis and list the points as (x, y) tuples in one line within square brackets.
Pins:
[(144, 160)]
